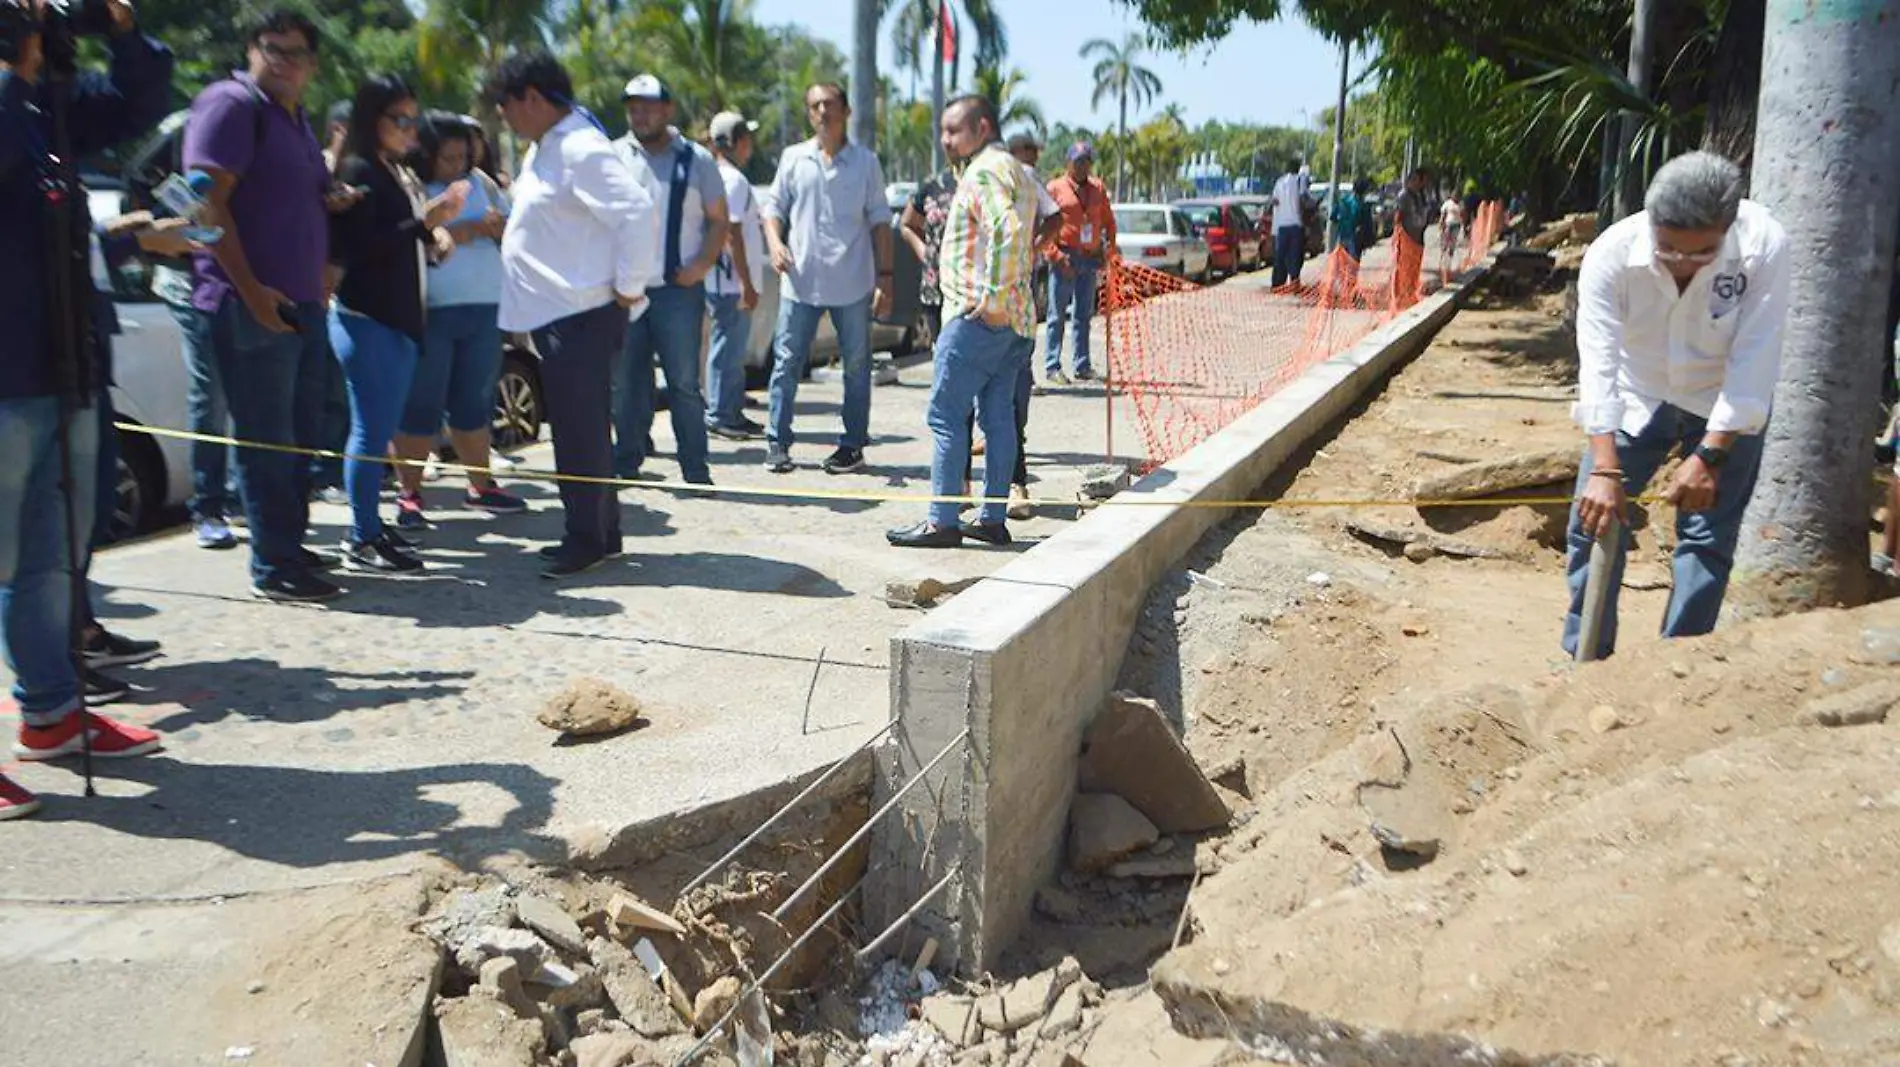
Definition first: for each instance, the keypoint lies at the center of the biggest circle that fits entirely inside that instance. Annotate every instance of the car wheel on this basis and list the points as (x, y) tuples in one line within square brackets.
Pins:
[(140, 489), (519, 409)]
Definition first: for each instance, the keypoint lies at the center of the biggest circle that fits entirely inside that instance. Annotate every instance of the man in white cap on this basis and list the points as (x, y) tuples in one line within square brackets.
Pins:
[(684, 181), (733, 290)]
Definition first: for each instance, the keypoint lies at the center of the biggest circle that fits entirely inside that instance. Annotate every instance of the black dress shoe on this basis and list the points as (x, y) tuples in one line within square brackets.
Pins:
[(924, 535), (988, 533)]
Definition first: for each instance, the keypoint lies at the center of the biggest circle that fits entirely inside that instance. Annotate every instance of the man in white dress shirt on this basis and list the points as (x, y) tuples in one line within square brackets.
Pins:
[(1679, 328), (579, 253)]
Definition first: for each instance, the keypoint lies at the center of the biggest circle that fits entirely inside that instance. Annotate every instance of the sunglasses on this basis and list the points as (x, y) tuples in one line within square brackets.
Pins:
[(1670, 255), (403, 122)]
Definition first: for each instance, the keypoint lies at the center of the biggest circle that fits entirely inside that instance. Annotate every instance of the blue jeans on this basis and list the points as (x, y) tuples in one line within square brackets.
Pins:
[(1074, 295), (670, 331), (976, 366), (276, 384), (213, 485), (333, 426), (1025, 387), (1289, 254), (1705, 540), (725, 361), (36, 600), (459, 364), (797, 325), (378, 364)]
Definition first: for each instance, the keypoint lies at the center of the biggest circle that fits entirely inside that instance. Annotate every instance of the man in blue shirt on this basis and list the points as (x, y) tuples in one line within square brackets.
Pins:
[(36, 557), (829, 231), (683, 179)]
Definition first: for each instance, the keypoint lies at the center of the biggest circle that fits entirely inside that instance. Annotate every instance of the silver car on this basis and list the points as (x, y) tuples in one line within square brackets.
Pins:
[(1162, 237)]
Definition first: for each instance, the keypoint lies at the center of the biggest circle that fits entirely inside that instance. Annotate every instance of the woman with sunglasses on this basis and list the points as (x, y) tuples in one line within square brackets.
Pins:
[(461, 347), (378, 320)]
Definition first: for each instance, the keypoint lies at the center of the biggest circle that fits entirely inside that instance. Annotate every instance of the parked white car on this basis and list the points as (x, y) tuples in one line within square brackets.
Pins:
[(1162, 237)]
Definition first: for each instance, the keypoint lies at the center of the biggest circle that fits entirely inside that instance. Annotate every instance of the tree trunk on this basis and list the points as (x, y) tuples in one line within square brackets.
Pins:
[(937, 159), (864, 93), (1121, 149), (1339, 136), (1826, 142), (1630, 176), (1735, 83)]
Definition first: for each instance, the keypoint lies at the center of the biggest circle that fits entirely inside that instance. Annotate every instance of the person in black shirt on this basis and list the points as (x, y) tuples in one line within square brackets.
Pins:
[(376, 325)]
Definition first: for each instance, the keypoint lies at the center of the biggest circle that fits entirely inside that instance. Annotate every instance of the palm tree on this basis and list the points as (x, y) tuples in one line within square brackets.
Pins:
[(1119, 73), (701, 48), (461, 40), (1014, 108), (918, 28)]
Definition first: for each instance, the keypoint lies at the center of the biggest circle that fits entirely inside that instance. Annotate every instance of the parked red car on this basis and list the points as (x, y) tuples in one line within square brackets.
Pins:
[(1233, 237)]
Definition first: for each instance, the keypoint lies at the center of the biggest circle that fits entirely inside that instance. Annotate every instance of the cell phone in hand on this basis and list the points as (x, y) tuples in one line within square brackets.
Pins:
[(203, 235), (288, 313)]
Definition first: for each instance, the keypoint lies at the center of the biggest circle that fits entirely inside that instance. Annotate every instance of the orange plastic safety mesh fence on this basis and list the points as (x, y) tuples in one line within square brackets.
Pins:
[(1192, 359)]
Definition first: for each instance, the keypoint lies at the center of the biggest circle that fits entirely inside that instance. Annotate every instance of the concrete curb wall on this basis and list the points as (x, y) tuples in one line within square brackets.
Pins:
[(1025, 659)]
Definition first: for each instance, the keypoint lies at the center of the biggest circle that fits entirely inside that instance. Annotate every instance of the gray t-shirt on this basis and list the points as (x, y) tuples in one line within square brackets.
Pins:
[(1414, 214), (829, 208), (703, 187)]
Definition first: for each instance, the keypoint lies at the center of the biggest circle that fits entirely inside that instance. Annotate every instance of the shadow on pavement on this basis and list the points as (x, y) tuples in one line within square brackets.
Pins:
[(304, 818), (214, 690)]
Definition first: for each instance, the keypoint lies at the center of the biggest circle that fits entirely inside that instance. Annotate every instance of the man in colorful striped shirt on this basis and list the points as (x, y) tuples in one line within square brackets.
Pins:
[(988, 322)]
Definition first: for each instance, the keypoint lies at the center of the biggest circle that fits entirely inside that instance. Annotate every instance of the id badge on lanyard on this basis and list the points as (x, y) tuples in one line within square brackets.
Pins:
[(1087, 237)]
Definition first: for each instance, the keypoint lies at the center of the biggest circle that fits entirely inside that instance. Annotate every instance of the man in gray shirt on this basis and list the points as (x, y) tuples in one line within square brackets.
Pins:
[(828, 229), (1413, 208), (683, 179)]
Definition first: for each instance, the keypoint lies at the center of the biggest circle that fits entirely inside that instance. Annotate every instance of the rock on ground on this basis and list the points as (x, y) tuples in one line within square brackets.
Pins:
[(714, 1002), (1858, 707), (634, 993), (477, 1031), (551, 921), (590, 708), (611, 1050), (1104, 828)]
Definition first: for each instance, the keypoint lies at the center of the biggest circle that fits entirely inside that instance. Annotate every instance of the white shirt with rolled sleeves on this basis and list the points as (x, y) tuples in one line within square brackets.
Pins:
[(744, 206), (583, 230), (1045, 204), (827, 209), (1713, 350)]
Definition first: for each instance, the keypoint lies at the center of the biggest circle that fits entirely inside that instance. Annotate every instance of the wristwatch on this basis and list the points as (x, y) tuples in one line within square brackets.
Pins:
[(1712, 456)]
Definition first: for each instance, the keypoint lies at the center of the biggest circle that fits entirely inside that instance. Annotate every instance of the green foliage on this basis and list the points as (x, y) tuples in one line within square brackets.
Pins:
[(1014, 108)]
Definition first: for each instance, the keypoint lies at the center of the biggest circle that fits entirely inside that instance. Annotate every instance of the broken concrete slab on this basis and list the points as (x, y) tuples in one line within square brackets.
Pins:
[(1200, 986), (1501, 476), (465, 912), (590, 707), (524, 946), (501, 976), (634, 993), (1857, 707), (1065, 1016), (952, 1016), (1388, 535), (1104, 828), (479, 1031), (1103, 481), (552, 922), (1132, 751)]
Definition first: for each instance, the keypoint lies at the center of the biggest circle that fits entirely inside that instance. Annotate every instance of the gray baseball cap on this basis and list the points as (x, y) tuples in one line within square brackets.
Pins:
[(726, 127)]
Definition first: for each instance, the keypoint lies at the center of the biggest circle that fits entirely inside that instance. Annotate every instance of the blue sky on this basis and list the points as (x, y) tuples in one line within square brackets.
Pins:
[(1269, 73)]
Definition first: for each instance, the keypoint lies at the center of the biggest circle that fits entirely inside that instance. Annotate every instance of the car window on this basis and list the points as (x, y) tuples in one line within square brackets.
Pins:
[(1203, 214), (1241, 218), (1140, 220), (1182, 227)]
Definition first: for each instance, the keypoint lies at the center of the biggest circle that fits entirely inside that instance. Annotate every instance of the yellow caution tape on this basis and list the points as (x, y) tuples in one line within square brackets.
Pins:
[(850, 495)]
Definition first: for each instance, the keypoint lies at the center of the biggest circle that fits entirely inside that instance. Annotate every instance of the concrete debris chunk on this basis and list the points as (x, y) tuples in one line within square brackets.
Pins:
[(1065, 1017), (633, 992), (1604, 718), (1409, 820), (502, 976), (465, 912), (952, 1016), (478, 1031), (1500, 476), (1103, 481), (1059, 904), (627, 910), (610, 1050), (552, 922), (1856, 707), (925, 592), (590, 708), (1020, 1003), (1104, 828), (1132, 751), (492, 941), (714, 1001)]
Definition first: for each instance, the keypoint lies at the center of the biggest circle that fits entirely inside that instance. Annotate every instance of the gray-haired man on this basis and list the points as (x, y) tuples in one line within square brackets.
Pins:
[(1679, 327)]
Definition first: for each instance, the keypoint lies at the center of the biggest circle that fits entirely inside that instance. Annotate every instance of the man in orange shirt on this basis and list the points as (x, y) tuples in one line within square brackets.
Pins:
[(1082, 247)]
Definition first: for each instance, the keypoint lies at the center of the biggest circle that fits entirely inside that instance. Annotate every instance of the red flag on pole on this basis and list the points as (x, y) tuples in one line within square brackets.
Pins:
[(947, 32)]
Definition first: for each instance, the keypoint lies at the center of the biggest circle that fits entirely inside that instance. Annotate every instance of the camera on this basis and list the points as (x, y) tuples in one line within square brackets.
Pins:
[(64, 22)]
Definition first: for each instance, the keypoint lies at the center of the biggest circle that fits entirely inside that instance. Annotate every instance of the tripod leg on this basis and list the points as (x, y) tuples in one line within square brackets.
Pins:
[(76, 584)]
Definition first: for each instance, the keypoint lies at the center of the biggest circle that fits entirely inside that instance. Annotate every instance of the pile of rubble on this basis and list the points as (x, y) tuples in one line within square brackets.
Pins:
[(1038, 1021), (540, 986)]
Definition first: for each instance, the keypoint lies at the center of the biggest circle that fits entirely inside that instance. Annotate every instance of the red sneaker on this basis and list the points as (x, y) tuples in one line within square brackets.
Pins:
[(110, 739), (15, 801)]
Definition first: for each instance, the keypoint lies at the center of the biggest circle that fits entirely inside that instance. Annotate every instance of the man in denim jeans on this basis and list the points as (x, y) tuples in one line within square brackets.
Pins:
[(47, 385), (683, 180), (1680, 314), (1082, 245), (264, 283), (733, 290), (829, 230), (203, 337)]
